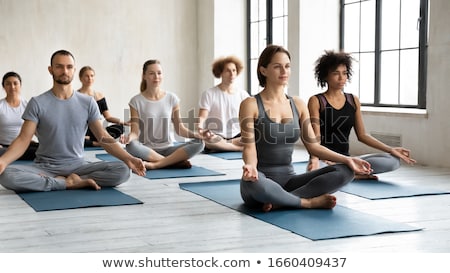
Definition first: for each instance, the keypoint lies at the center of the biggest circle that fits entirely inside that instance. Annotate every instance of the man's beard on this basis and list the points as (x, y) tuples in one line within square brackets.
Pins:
[(63, 79)]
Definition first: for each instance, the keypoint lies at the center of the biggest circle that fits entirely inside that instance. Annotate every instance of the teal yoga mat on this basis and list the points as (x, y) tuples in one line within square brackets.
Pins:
[(373, 189), (169, 173), (300, 167), (22, 162), (227, 155), (93, 148), (315, 224), (72, 199)]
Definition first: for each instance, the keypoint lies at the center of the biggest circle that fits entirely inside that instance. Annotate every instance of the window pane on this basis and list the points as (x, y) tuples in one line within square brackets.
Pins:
[(368, 26), (409, 28), (254, 45), (262, 39), (389, 77), (409, 63), (279, 31), (351, 28), (352, 85), (254, 8), (279, 8), (262, 10), (395, 56), (254, 79), (390, 29), (367, 77)]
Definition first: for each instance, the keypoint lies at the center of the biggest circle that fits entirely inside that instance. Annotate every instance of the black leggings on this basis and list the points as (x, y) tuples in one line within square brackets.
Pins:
[(115, 130), (30, 152)]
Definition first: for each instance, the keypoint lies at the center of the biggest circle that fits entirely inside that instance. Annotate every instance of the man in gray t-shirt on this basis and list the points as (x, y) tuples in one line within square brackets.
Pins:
[(59, 118)]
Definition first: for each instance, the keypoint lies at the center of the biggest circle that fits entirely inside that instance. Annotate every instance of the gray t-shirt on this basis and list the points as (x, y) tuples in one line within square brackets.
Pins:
[(61, 126)]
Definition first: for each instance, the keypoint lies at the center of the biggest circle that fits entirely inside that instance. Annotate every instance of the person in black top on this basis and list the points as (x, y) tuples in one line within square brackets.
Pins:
[(87, 77), (334, 113)]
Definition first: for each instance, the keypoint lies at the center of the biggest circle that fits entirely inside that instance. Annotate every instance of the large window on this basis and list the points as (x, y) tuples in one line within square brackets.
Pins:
[(267, 25), (389, 41)]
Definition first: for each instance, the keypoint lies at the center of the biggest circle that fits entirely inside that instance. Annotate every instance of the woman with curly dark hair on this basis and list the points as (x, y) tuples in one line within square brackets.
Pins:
[(334, 113)]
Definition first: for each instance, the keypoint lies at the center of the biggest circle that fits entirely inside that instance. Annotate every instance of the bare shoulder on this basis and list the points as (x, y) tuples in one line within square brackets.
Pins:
[(313, 100), (248, 102), (356, 98), (313, 104), (248, 106), (99, 95), (356, 101)]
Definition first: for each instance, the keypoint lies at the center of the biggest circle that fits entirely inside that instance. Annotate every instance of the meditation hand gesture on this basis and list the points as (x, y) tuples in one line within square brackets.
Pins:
[(403, 154), (360, 166), (137, 166)]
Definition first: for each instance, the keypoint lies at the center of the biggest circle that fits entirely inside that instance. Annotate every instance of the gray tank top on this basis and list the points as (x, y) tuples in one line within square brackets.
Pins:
[(275, 141)]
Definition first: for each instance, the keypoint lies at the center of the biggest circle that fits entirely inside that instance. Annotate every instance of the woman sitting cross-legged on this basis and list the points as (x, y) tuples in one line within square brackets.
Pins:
[(152, 112)]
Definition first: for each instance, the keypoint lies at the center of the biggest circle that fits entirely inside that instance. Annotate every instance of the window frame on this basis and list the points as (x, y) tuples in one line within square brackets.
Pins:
[(269, 17), (422, 58)]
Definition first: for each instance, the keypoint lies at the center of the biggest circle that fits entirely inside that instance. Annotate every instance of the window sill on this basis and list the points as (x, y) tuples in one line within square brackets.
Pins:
[(392, 111)]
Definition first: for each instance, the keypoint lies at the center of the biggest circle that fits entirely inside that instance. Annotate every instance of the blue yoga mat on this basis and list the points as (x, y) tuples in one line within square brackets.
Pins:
[(169, 173), (93, 148), (227, 155), (22, 162), (300, 167), (315, 224), (373, 189), (82, 198)]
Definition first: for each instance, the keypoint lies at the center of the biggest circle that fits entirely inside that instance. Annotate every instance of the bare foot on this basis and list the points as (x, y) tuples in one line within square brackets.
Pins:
[(149, 165), (185, 164), (325, 201), (269, 206), (365, 177), (74, 181)]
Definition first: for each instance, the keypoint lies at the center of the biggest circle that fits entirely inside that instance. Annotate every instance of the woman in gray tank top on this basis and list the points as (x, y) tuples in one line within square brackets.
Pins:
[(270, 126)]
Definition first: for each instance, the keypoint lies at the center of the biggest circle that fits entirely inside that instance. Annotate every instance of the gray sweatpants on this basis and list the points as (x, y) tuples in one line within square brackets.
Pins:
[(41, 176), (139, 150), (382, 162), (287, 189)]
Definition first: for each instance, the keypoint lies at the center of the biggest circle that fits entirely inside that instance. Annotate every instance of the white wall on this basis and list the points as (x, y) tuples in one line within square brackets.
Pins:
[(222, 32), (319, 31), (115, 37)]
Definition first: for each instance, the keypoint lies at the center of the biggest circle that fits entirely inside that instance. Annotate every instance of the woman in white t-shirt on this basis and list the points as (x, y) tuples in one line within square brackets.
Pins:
[(219, 107), (152, 112), (11, 109)]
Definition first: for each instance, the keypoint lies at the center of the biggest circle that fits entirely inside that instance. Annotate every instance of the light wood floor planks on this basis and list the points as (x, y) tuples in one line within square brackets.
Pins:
[(174, 220)]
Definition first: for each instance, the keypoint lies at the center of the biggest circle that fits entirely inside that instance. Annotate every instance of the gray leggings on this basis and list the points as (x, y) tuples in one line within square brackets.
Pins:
[(41, 176), (138, 149), (286, 190), (380, 163)]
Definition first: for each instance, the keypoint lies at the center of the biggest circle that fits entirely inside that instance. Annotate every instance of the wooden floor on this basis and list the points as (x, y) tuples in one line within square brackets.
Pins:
[(173, 220)]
